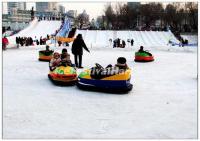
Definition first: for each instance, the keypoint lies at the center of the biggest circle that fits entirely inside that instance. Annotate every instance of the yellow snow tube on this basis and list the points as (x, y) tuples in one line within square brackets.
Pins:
[(65, 39)]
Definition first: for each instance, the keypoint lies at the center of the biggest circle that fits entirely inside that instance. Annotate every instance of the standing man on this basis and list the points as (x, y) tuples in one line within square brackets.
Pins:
[(77, 50)]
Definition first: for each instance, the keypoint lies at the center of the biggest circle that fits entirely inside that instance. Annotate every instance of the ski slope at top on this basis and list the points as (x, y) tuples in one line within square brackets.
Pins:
[(37, 29), (97, 37)]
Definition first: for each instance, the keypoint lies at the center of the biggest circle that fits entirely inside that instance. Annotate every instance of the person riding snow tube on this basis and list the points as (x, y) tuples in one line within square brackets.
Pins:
[(109, 79), (45, 55), (63, 75), (143, 56)]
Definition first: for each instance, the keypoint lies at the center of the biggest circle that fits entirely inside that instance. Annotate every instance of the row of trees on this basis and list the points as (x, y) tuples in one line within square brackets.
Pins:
[(179, 16)]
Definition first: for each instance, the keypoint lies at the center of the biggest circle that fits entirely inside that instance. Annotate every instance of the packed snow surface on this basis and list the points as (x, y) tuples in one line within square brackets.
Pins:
[(162, 103)]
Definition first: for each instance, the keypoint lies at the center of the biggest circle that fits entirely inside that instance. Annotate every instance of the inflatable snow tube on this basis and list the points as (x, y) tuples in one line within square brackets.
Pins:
[(65, 39), (63, 75), (118, 83), (143, 57), (45, 55)]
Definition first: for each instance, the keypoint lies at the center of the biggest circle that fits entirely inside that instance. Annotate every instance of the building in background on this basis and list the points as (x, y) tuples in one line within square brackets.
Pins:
[(71, 15), (49, 10), (61, 9), (16, 6), (42, 6), (49, 7), (17, 20), (16, 17)]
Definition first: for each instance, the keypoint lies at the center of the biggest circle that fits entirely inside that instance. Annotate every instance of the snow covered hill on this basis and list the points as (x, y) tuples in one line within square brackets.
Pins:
[(38, 29), (97, 38)]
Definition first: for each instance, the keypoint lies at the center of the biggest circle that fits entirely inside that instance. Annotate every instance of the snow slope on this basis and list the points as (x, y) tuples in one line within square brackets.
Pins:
[(37, 29), (162, 104), (145, 38), (98, 37)]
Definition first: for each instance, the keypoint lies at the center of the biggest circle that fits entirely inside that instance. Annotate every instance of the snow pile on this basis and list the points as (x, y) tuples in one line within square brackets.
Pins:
[(162, 104)]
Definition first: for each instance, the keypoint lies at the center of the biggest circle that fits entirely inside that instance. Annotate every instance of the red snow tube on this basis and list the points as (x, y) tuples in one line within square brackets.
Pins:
[(143, 57)]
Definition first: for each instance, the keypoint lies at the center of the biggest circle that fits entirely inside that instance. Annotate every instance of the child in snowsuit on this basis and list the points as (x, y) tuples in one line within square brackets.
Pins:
[(55, 61)]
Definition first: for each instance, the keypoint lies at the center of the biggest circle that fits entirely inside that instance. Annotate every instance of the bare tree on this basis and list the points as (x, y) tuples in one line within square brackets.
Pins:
[(109, 14), (150, 13), (193, 13)]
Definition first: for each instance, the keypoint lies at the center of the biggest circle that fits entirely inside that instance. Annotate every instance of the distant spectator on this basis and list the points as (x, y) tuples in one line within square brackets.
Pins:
[(118, 42), (132, 42), (59, 43), (41, 42), (123, 44), (17, 42), (4, 42), (72, 33)]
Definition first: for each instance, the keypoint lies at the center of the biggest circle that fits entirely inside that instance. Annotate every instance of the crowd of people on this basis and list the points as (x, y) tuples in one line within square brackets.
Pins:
[(53, 18), (29, 41), (24, 41), (118, 43)]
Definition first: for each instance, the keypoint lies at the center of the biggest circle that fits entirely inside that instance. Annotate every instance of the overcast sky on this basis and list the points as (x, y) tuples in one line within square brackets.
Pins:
[(94, 9)]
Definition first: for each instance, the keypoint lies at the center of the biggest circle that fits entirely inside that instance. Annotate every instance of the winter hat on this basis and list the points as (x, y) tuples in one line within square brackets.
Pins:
[(64, 50), (121, 61), (79, 36), (47, 47)]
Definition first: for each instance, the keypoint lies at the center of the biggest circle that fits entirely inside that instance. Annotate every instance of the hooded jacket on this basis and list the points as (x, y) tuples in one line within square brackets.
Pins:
[(78, 45)]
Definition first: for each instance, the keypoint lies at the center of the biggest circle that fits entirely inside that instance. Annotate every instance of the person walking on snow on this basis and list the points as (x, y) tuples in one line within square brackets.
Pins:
[(77, 50)]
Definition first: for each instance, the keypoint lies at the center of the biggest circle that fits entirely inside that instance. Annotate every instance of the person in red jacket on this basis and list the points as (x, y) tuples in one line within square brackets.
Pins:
[(4, 42)]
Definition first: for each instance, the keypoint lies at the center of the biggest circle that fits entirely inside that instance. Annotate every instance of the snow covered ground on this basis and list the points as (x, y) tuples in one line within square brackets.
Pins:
[(162, 104)]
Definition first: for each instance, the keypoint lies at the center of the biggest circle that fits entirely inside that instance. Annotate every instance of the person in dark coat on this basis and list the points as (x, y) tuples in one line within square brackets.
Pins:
[(132, 41), (31, 41), (41, 41), (141, 49), (17, 42), (72, 33), (77, 50), (123, 44)]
